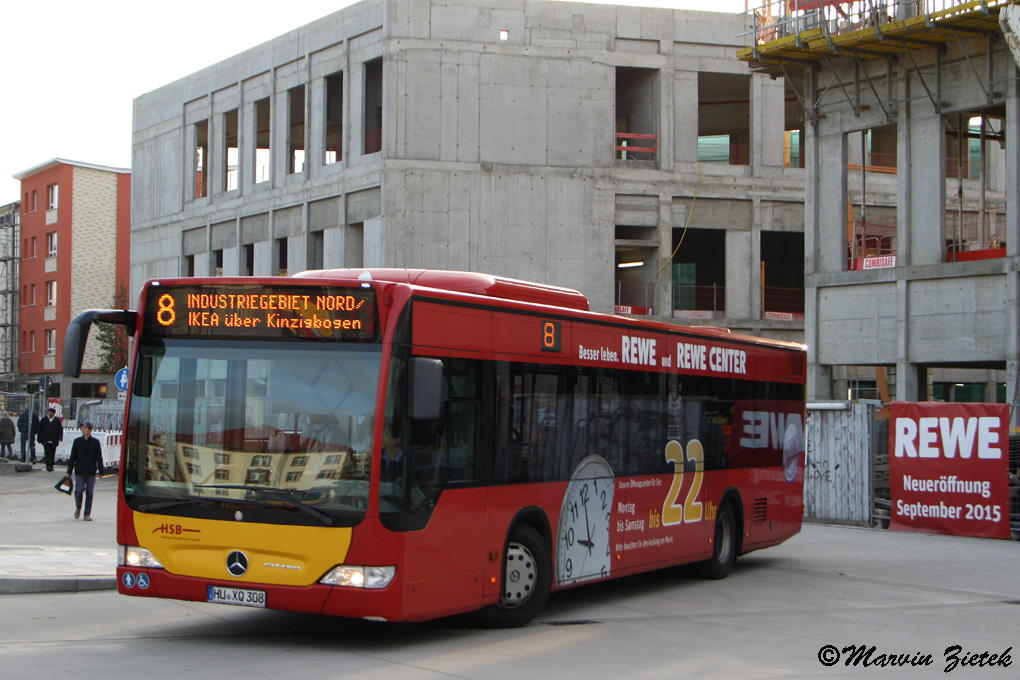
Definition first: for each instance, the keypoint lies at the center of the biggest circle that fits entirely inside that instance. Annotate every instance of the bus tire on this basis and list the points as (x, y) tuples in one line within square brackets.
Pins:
[(724, 552), (527, 580)]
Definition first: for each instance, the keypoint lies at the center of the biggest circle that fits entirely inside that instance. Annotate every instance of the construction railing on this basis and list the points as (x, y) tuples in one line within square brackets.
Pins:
[(782, 304), (635, 297), (636, 146), (709, 298)]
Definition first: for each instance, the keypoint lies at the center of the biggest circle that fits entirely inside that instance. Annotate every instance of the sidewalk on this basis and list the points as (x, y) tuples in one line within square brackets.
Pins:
[(43, 549)]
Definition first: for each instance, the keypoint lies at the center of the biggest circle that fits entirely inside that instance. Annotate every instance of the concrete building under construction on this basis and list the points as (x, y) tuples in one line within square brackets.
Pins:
[(912, 235), (622, 151)]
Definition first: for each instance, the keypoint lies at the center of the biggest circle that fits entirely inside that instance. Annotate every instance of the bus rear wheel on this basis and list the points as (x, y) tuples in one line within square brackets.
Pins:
[(724, 552), (527, 579)]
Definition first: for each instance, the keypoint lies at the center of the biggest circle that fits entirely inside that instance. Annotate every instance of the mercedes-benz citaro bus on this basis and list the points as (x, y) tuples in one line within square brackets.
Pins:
[(399, 445)]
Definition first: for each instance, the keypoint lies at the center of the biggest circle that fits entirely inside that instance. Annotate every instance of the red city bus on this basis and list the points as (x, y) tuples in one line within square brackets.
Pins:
[(401, 445)]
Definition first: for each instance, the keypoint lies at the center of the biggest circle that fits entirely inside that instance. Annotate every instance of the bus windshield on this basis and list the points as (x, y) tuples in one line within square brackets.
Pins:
[(279, 432)]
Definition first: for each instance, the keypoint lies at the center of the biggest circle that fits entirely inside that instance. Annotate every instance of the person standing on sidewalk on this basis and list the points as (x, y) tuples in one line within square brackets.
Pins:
[(85, 463), (51, 433), (7, 435), (28, 423)]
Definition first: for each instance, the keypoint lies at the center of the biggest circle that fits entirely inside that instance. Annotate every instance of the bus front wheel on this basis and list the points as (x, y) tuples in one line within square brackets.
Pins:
[(527, 579), (724, 552)]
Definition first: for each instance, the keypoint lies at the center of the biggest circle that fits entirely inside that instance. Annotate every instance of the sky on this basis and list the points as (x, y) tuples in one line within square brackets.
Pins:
[(71, 69)]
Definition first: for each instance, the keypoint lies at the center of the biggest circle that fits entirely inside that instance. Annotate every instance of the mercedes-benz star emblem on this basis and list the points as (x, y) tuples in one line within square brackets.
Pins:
[(237, 563)]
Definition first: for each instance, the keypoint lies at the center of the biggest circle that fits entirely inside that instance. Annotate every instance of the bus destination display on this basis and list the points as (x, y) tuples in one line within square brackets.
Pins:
[(298, 312)]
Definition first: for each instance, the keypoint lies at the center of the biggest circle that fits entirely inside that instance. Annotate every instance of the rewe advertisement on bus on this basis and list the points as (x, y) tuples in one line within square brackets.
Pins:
[(949, 468)]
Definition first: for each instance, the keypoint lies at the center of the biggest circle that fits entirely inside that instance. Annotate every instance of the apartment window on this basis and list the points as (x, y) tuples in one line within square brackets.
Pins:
[(334, 118), (51, 342), (31, 342), (231, 145), (218, 262), (51, 244), (263, 152), (54, 195), (31, 294), (373, 106), (201, 159), (35, 200), (51, 293), (296, 134), (189, 266)]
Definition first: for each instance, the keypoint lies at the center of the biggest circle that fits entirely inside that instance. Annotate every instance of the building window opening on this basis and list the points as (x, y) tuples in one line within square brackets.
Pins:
[(51, 293), (354, 245), (281, 256), (189, 266), (782, 276), (871, 229), (248, 251), (315, 250), (637, 114), (53, 192), (724, 113), (263, 137), (218, 262), (201, 159), (334, 118), (699, 273), (296, 134), (231, 146), (636, 249), (373, 106), (51, 342), (975, 222), (793, 156), (51, 244)]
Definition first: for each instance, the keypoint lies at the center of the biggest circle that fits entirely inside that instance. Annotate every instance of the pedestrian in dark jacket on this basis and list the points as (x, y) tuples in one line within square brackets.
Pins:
[(51, 433), (85, 463), (7, 435), (28, 423)]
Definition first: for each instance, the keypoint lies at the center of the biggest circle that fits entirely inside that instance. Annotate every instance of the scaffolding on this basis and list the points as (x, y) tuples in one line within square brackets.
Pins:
[(10, 240)]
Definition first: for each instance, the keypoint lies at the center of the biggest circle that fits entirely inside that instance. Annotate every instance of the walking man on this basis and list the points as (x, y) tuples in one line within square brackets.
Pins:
[(86, 462), (28, 423), (51, 433)]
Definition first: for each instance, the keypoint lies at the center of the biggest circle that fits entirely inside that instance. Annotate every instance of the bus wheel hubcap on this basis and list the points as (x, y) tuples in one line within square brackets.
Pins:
[(520, 575)]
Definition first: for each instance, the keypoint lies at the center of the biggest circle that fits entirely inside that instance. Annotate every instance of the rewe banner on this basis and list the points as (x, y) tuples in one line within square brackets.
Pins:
[(949, 468)]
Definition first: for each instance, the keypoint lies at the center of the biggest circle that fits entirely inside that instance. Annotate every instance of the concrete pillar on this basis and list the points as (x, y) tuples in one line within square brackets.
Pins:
[(768, 115)]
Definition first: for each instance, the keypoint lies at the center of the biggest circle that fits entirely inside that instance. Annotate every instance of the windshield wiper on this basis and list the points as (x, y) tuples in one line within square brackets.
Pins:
[(324, 517)]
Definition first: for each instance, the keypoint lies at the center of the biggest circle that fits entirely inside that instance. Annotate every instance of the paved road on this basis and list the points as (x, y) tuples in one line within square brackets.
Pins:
[(909, 594)]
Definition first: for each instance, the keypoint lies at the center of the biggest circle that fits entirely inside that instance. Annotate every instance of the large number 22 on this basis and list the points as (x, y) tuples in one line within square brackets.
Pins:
[(691, 510)]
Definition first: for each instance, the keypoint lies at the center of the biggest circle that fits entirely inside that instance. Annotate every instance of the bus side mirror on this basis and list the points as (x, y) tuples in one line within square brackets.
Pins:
[(426, 389), (78, 332)]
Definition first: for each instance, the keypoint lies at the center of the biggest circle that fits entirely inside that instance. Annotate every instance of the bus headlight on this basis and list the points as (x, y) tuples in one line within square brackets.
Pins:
[(359, 577), (133, 556)]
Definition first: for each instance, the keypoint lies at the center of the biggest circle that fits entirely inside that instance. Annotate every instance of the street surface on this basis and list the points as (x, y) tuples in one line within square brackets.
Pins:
[(775, 617)]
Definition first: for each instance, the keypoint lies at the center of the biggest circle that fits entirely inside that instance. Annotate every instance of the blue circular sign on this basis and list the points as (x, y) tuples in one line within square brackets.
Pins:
[(143, 581), (122, 380), (128, 579)]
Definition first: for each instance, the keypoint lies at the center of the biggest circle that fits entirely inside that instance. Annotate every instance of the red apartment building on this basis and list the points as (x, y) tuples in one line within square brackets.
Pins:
[(75, 252)]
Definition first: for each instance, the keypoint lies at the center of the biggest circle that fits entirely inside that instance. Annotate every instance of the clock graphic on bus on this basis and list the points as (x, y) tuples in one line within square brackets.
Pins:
[(583, 550)]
